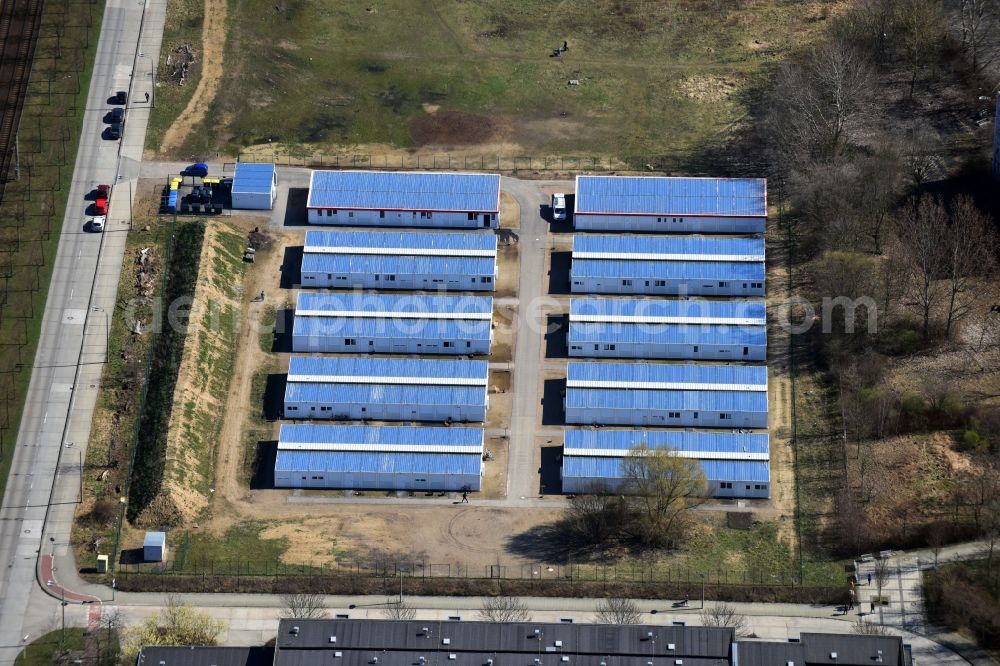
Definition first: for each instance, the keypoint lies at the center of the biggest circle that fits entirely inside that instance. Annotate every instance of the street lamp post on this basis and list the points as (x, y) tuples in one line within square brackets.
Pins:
[(702, 574)]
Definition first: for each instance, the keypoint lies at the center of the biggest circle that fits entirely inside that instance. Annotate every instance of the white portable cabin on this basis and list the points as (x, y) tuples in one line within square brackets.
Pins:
[(154, 547), (386, 389), (674, 395), (456, 261), (254, 186), (392, 324), (667, 265), (379, 458), (404, 199), (671, 205), (667, 329), (736, 465)]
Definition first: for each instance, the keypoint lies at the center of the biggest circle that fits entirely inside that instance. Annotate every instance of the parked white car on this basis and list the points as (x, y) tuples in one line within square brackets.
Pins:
[(558, 206), (97, 223)]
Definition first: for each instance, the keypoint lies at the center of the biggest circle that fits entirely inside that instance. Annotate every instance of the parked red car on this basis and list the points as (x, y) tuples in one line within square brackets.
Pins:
[(101, 206), (104, 191)]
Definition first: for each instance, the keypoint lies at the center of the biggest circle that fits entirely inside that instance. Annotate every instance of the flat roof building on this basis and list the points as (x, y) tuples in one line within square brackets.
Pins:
[(404, 199), (668, 265), (379, 457), (254, 186), (392, 324), (683, 396), (400, 260), (671, 205), (735, 464), (386, 389), (665, 329)]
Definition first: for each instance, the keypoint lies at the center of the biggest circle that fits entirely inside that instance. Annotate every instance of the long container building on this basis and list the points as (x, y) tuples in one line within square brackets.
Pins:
[(671, 205), (667, 265), (379, 457), (735, 464), (386, 389), (458, 261), (392, 324), (667, 329), (675, 395), (404, 199)]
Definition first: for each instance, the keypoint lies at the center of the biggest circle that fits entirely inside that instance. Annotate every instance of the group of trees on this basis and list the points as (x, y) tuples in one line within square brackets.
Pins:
[(647, 510)]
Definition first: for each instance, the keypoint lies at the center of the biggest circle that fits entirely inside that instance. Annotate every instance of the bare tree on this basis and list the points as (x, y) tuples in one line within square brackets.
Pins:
[(881, 570), (977, 24), (399, 609), (922, 31), (971, 246), (726, 615), (922, 230), (598, 516), (662, 486), (878, 189), (867, 628), (618, 611), (503, 608), (304, 605)]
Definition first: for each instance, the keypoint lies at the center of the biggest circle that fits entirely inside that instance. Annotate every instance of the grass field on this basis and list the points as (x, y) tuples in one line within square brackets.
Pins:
[(53, 648), (33, 207), (655, 79)]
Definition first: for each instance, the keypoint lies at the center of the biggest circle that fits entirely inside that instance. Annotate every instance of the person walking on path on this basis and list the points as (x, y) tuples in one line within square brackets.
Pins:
[(465, 497), (873, 608), (869, 577)]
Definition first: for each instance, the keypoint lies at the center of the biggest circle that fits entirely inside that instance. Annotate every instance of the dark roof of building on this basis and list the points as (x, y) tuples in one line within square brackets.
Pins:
[(328, 657), (482, 638), (819, 650), (205, 656)]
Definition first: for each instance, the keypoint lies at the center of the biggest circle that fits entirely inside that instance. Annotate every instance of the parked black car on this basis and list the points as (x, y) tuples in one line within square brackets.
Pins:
[(117, 115), (120, 97), (115, 130)]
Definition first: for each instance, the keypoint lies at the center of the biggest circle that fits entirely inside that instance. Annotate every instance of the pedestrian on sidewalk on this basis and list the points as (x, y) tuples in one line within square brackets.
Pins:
[(465, 497), (147, 97), (869, 577), (873, 608)]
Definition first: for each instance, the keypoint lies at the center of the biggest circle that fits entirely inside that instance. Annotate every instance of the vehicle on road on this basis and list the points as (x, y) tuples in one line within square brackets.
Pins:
[(103, 191), (558, 206), (117, 115), (97, 223), (101, 206), (199, 169), (115, 130), (120, 97)]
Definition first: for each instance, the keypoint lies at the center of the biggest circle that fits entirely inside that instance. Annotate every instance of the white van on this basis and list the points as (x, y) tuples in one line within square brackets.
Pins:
[(558, 206)]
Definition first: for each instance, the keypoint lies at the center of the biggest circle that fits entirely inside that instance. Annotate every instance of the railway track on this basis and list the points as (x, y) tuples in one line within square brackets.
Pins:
[(20, 22)]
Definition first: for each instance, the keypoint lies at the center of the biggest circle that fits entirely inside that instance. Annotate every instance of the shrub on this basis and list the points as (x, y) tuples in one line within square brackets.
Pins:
[(104, 512)]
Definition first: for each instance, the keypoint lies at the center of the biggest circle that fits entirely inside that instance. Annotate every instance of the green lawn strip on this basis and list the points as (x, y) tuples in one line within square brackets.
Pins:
[(183, 25), (241, 550), (150, 445), (54, 647), (51, 122)]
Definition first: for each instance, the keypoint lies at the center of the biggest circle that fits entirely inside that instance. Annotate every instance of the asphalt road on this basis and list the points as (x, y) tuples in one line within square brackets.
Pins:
[(43, 487)]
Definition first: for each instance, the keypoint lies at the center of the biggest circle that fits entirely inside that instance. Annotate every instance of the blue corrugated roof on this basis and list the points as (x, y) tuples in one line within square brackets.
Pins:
[(382, 264), (671, 400), (648, 195), (468, 240), (669, 270), (394, 303), (357, 434), (665, 334), (694, 245), (680, 440), (642, 307), (389, 190), (384, 463), (338, 366), (715, 470), (365, 327), (666, 373), (253, 178), (386, 394)]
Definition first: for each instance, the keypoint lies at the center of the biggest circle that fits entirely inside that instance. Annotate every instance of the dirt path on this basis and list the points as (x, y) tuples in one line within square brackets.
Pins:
[(213, 44)]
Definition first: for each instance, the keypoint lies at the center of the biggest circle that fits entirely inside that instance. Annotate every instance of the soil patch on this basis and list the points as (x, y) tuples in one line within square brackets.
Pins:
[(450, 128)]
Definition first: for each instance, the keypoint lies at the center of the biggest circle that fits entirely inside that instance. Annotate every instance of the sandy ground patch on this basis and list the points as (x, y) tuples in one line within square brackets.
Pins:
[(708, 88), (508, 270), (495, 469), (308, 542), (504, 320), (213, 44), (510, 212)]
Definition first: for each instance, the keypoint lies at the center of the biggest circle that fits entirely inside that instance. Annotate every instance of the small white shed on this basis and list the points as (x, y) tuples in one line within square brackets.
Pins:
[(154, 547), (254, 186)]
